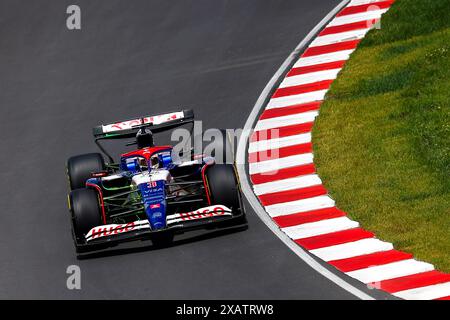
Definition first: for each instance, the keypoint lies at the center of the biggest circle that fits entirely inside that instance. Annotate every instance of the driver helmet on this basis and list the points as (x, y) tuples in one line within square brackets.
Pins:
[(154, 162)]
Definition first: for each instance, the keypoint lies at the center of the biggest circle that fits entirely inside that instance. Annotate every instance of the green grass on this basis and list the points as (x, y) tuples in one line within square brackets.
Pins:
[(382, 141)]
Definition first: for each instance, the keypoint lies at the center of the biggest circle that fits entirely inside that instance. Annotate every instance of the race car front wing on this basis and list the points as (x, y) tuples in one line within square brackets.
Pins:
[(104, 236)]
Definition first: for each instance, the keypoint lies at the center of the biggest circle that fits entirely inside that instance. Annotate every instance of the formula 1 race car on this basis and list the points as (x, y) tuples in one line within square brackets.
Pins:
[(150, 193)]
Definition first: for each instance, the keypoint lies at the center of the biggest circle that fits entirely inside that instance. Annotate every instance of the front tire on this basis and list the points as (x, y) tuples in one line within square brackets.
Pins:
[(223, 186), (85, 209), (80, 168)]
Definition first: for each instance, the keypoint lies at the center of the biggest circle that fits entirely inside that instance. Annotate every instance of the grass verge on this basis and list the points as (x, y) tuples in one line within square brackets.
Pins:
[(382, 140)]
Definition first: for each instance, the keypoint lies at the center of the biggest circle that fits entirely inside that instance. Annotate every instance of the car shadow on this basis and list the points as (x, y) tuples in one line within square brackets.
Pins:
[(177, 242)]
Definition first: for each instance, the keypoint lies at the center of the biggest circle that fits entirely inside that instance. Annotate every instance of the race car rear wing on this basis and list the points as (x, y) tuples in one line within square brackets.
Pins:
[(129, 128), (158, 123)]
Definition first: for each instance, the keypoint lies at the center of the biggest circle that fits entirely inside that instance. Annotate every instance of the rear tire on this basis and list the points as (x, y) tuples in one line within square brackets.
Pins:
[(80, 168), (85, 209)]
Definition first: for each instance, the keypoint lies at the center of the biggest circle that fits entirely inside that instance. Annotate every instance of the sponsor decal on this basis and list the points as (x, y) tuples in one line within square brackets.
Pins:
[(203, 213), (115, 229), (136, 122), (154, 199)]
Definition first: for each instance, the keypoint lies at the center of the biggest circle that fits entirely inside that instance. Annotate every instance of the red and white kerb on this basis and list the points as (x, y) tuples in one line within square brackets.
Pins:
[(281, 166)]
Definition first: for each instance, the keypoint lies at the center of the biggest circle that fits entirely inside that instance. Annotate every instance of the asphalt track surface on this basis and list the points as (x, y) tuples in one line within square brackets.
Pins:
[(134, 58)]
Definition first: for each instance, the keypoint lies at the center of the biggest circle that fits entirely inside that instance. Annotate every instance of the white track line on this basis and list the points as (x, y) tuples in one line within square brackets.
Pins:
[(390, 271), (339, 37), (323, 58), (296, 99), (287, 184), (318, 228), (270, 144), (277, 164), (284, 121), (310, 78), (352, 249), (304, 205), (425, 293)]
